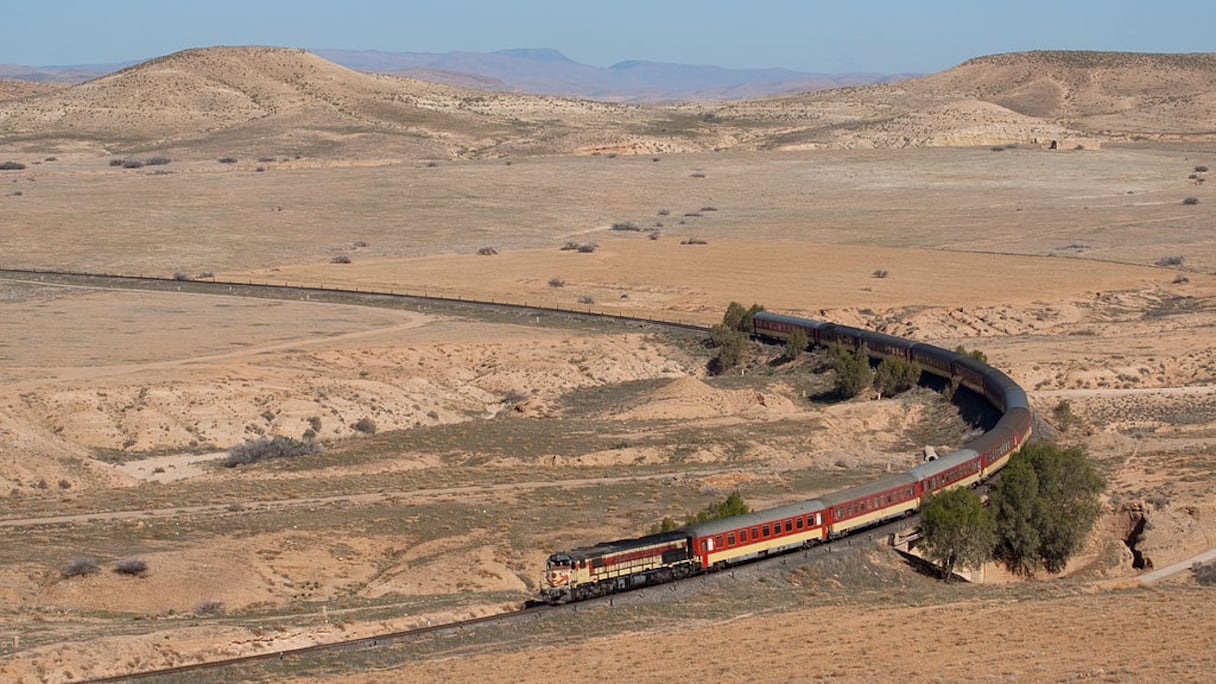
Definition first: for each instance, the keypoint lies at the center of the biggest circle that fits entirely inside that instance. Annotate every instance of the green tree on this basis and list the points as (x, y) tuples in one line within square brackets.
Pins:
[(1045, 504), (795, 344), (974, 353), (852, 367), (956, 530), (895, 375), (730, 506), (741, 319), (731, 348)]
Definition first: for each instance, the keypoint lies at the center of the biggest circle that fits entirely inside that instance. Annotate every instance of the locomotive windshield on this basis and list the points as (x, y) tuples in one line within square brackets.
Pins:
[(559, 559)]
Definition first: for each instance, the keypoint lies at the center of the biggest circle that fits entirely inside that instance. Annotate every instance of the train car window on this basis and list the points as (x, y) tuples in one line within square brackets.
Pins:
[(789, 526), (718, 541), (755, 533), (730, 539), (704, 545), (798, 523), (765, 528), (743, 535)]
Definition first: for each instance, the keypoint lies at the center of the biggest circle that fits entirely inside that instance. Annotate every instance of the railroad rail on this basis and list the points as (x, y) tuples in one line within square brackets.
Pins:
[(893, 533)]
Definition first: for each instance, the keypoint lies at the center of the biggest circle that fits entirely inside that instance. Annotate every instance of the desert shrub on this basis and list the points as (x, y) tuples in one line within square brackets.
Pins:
[(79, 567), (586, 299), (1201, 169), (132, 164), (1181, 279), (895, 375), (51, 159), (1191, 201), (692, 214), (131, 566), (117, 162), (16, 193), (694, 241), (314, 422), (210, 607), (11, 166), (265, 160), (205, 274), (1064, 417), (260, 169), (664, 212), (360, 243), (1170, 261), (1205, 573), (795, 344), (974, 353), (365, 425), (709, 208), (852, 367), (696, 174), (340, 259), (998, 148), (730, 345), (227, 160), (880, 273), (587, 247), (654, 235), (487, 251), (627, 226), (158, 161), (569, 246), (265, 448), (556, 282), (731, 506), (182, 275)]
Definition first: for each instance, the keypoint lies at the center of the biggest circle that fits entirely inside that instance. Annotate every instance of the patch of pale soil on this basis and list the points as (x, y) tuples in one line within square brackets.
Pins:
[(171, 467), (689, 398), (881, 643)]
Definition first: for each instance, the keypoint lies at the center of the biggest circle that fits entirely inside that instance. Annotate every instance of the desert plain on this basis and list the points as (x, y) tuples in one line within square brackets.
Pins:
[(461, 446)]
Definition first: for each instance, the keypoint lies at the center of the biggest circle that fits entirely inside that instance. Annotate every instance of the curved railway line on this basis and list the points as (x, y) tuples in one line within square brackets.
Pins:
[(993, 450)]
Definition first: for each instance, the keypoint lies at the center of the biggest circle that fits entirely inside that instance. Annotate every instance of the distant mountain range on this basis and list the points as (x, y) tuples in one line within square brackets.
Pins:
[(542, 72)]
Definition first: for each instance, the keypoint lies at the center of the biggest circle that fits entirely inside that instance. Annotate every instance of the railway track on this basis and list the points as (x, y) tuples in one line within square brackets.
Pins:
[(373, 298)]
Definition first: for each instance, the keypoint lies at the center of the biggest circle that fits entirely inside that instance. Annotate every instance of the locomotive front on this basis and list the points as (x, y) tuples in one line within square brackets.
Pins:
[(557, 582)]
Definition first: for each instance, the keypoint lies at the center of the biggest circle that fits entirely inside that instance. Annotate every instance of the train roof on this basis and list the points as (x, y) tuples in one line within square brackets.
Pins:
[(604, 548), (784, 318), (756, 518), (942, 464), (863, 490)]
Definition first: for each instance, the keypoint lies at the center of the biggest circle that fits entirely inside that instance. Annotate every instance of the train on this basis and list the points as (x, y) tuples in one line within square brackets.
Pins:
[(626, 564)]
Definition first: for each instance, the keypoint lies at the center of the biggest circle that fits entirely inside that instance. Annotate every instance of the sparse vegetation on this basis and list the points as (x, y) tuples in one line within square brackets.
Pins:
[(158, 161), (1170, 261), (1190, 201), (556, 282), (266, 448), (11, 166), (974, 353), (895, 375), (1064, 417), (731, 506), (586, 248), (209, 607), (1205, 573), (586, 299), (79, 567), (136, 567), (1201, 169), (694, 241), (365, 425), (132, 164), (487, 250), (627, 226), (880, 273), (227, 160), (795, 344), (852, 368), (340, 259), (182, 275)]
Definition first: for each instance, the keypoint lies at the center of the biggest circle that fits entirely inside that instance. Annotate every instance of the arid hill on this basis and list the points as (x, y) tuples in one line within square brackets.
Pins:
[(256, 101)]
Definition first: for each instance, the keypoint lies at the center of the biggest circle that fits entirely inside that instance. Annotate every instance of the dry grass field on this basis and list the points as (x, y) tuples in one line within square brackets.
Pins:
[(462, 446)]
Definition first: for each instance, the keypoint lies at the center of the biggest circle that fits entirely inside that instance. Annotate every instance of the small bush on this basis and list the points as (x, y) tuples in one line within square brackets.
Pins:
[(11, 166), (696, 174), (586, 299), (587, 248), (487, 251), (709, 208), (1205, 573), (158, 161), (569, 246), (628, 226), (1181, 279), (556, 282), (226, 160), (1190, 201), (117, 162), (880, 273), (260, 169), (267, 448), (664, 212), (131, 566), (209, 607), (654, 235), (365, 425), (205, 274), (340, 259), (998, 148), (1201, 169), (1170, 261), (694, 241), (182, 275), (360, 243), (132, 164), (265, 160), (79, 567)]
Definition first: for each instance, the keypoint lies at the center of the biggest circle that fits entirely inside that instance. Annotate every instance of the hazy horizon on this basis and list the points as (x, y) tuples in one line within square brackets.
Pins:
[(883, 36)]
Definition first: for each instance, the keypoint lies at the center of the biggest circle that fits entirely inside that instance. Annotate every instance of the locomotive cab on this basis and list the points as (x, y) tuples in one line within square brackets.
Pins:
[(556, 585)]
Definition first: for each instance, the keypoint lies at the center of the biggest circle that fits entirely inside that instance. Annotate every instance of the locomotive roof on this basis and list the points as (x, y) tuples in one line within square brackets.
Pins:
[(756, 518), (603, 548)]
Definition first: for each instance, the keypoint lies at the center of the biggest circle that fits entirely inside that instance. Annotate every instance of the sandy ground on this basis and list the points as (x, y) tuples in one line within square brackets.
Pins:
[(118, 402)]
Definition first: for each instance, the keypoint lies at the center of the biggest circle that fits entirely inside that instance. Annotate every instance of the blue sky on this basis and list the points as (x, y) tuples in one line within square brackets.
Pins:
[(884, 36)]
